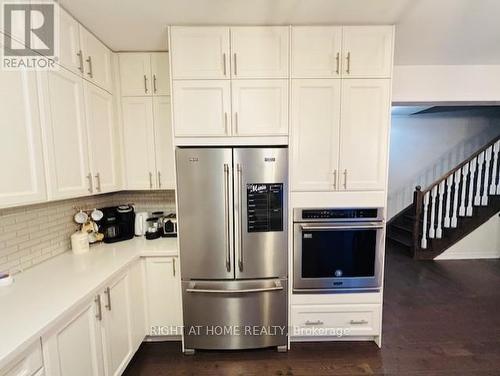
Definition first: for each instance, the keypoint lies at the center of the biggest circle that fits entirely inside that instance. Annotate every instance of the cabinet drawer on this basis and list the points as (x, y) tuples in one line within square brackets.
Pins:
[(336, 320), (27, 364)]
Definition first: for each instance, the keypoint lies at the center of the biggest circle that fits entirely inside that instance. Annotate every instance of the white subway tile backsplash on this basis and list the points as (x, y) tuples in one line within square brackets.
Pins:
[(32, 234)]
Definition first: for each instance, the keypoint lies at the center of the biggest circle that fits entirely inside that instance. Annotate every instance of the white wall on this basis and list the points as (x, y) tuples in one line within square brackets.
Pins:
[(424, 147), (484, 242)]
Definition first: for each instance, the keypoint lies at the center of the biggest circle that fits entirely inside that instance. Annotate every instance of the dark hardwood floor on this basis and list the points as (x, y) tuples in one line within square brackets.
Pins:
[(440, 318)]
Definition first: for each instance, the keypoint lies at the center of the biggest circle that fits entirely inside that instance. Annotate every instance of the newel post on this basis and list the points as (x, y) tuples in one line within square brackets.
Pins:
[(417, 206)]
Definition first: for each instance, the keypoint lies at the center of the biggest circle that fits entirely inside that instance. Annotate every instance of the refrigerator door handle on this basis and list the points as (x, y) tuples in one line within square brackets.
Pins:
[(242, 291), (226, 217), (240, 220)]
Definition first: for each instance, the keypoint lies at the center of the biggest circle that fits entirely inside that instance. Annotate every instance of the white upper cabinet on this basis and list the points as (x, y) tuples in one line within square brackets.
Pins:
[(101, 137), (160, 73), (70, 53), (367, 51), (97, 60), (163, 143), (315, 134), (135, 74), (64, 133), (202, 108), (364, 134), (138, 143), (260, 107), (259, 52), (316, 51), (200, 52), (23, 178)]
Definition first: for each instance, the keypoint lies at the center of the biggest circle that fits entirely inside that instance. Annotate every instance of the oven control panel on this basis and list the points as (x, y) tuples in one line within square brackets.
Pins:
[(339, 214)]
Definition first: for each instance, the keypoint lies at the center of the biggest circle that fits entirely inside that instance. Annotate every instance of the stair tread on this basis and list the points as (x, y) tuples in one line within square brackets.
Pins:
[(402, 239), (403, 227)]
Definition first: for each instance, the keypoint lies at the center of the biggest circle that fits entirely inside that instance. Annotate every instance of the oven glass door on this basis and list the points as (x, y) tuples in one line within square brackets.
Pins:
[(337, 256)]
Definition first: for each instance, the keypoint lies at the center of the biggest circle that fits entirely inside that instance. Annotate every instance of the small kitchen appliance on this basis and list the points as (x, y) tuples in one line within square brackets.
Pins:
[(170, 226), (117, 223), (141, 224)]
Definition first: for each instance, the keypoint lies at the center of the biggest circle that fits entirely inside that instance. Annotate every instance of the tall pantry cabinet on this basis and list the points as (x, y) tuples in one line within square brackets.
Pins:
[(341, 97), (147, 135)]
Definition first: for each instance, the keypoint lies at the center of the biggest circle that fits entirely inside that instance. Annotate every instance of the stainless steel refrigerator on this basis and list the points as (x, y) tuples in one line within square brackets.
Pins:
[(232, 225)]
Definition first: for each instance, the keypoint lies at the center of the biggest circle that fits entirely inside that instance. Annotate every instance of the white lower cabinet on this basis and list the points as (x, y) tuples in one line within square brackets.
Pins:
[(30, 363), (74, 348), (163, 296), (336, 320)]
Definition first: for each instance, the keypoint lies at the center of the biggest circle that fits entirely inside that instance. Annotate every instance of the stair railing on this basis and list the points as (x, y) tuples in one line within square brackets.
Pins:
[(455, 194)]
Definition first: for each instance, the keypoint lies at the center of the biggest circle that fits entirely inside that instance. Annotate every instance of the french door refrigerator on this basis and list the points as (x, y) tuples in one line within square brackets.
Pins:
[(233, 241)]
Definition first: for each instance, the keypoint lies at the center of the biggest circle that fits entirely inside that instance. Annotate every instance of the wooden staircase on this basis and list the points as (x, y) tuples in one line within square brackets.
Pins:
[(451, 207)]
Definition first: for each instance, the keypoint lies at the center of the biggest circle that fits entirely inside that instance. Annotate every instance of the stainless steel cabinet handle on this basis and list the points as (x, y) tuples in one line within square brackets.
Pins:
[(154, 83), (150, 180), (98, 179), (226, 217), (173, 266), (225, 123), (337, 59), (235, 65), (358, 322), (145, 84), (348, 68), (224, 63), (97, 301), (241, 291), (240, 220), (90, 72), (108, 297), (318, 322), (91, 185), (236, 123), (335, 179), (80, 59), (159, 179), (345, 179)]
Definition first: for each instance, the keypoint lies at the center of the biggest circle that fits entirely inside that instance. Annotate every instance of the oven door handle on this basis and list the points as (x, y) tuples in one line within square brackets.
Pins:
[(368, 226)]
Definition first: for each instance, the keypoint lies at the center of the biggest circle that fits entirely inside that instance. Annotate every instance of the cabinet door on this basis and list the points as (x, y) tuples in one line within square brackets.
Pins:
[(101, 137), (64, 132), (74, 348), (135, 74), (137, 304), (138, 140), (163, 143), (364, 133), (367, 51), (117, 332), (316, 51), (259, 52), (23, 180), (202, 108), (315, 134), (163, 296), (260, 107), (200, 52), (97, 60), (161, 73), (70, 54)]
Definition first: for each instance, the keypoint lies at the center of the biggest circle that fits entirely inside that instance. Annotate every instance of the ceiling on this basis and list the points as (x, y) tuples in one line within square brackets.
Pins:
[(428, 31)]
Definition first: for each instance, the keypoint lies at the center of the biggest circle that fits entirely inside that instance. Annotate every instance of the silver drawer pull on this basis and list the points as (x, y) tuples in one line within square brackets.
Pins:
[(318, 322), (358, 322)]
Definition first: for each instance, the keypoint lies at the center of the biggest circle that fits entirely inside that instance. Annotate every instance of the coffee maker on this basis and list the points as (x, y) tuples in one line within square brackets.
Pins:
[(117, 223)]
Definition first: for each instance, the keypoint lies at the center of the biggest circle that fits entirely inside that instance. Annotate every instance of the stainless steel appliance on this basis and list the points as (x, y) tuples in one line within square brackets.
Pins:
[(337, 249), (233, 246)]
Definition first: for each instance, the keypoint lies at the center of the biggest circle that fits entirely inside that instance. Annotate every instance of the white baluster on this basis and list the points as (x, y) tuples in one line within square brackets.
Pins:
[(479, 183), (465, 172), (472, 169), (494, 188), (423, 243), (432, 229), (449, 182), (458, 174), (487, 160), (439, 230)]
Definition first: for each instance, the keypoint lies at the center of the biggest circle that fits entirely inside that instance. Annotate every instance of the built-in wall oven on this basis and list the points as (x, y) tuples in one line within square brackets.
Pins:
[(338, 250)]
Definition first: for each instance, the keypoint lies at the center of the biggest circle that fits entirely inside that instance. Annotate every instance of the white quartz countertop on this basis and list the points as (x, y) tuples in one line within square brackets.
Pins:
[(43, 294)]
